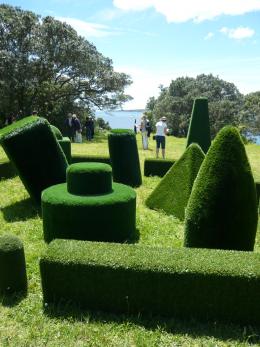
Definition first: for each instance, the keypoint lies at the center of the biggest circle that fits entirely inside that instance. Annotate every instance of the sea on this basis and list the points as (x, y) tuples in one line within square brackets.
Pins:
[(121, 119)]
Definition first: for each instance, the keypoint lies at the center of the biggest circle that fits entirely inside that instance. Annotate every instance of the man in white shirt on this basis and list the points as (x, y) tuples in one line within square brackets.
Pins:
[(161, 131)]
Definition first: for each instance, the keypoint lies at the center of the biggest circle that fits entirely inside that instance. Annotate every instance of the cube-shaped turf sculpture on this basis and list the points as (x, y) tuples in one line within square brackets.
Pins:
[(32, 147), (63, 141), (199, 129), (89, 206), (222, 209), (172, 193), (124, 157), (12, 265)]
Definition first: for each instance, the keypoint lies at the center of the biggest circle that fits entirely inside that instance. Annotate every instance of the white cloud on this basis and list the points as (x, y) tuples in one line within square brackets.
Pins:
[(208, 36), (87, 29), (185, 10), (237, 33)]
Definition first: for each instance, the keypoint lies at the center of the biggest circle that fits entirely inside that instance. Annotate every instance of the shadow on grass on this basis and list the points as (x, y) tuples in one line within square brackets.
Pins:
[(20, 211), (11, 300), (192, 327)]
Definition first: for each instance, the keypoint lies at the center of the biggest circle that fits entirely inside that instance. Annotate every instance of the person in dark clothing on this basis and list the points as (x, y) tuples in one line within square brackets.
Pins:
[(88, 125), (92, 128), (148, 128), (135, 127), (70, 132)]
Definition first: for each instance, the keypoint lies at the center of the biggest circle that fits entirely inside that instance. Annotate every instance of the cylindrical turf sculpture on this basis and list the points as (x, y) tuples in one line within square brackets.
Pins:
[(12, 265), (124, 157), (89, 206), (222, 209), (32, 147)]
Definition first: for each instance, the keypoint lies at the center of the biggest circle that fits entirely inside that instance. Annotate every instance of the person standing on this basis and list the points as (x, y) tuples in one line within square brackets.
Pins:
[(69, 127), (161, 131), (77, 128), (148, 128), (135, 127), (144, 132), (88, 125)]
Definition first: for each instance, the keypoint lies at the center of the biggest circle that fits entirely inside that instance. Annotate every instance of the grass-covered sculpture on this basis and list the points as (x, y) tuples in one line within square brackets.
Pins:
[(199, 129), (65, 144), (12, 265), (172, 193), (124, 157), (89, 206), (157, 167), (32, 147), (56, 131), (222, 209)]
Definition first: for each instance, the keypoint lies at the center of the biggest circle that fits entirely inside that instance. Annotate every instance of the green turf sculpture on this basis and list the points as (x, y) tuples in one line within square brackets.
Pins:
[(89, 206), (65, 144), (222, 209), (172, 193), (124, 157), (56, 131), (32, 147), (12, 265), (199, 128)]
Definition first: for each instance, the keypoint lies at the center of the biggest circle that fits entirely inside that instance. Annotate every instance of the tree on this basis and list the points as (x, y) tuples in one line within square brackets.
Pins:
[(45, 65), (250, 114), (102, 124), (175, 102)]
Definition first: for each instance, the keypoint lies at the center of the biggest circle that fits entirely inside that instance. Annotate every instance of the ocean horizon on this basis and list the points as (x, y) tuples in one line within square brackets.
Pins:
[(124, 119)]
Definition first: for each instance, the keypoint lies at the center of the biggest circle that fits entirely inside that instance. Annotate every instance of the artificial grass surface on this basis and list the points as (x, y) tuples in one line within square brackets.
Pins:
[(173, 192), (68, 325), (222, 209)]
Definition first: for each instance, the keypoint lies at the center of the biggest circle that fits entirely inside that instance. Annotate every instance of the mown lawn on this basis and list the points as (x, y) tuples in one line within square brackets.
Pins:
[(26, 322)]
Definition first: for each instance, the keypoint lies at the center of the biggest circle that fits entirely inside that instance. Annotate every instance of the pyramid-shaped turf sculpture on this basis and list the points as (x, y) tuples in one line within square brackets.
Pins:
[(32, 147), (173, 191), (222, 210), (89, 206), (199, 129), (124, 157)]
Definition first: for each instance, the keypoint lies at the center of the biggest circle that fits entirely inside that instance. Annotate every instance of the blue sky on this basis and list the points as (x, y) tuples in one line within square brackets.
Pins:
[(156, 41)]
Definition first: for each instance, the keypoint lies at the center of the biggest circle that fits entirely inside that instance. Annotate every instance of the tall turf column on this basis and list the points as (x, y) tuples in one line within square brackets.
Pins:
[(199, 129), (124, 157), (89, 206), (31, 145)]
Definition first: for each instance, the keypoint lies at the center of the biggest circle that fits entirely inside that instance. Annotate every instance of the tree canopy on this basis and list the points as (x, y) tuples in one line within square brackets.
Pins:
[(45, 65), (226, 104)]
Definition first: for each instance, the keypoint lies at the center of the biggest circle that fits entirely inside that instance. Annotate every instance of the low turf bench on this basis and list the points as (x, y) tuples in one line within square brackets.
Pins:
[(157, 167), (7, 169), (201, 283), (79, 158)]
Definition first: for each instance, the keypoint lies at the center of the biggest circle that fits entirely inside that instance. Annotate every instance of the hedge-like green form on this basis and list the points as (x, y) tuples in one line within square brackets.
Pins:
[(172, 193), (102, 214), (124, 157), (93, 178), (80, 158), (222, 209), (257, 187), (157, 167), (66, 147), (33, 149), (199, 129), (56, 132), (201, 283), (12, 265), (7, 169)]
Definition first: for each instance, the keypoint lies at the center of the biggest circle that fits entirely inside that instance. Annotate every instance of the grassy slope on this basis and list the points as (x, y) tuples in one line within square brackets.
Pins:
[(23, 323)]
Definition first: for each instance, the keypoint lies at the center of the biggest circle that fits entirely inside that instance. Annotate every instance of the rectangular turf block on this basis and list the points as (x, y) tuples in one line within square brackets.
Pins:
[(80, 158), (201, 283), (157, 167)]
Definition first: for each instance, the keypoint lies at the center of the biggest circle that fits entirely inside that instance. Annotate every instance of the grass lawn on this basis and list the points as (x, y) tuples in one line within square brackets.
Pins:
[(23, 321)]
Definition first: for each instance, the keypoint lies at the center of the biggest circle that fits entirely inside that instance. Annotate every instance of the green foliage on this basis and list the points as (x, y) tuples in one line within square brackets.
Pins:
[(124, 157), (109, 217), (66, 147), (33, 149), (165, 281), (250, 115), (175, 102), (157, 167), (102, 124), (222, 210), (12, 265), (56, 132), (173, 192), (86, 158), (199, 129), (46, 66), (89, 178)]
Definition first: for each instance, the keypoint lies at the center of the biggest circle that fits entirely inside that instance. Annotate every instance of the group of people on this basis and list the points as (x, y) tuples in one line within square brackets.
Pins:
[(74, 128), (161, 132)]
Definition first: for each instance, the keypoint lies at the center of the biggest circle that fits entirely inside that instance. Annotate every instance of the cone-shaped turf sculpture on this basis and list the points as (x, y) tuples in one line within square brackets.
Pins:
[(172, 193), (199, 129), (124, 157), (12, 265), (32, 147), (222, 209), (89, 206)]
